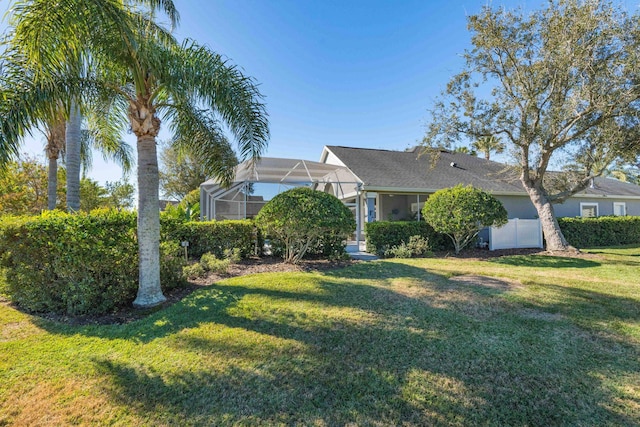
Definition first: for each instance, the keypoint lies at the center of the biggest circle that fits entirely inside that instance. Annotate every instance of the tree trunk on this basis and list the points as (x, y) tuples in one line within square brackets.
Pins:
[(146, 126), (55, 145), (74, 127), (149, 290), (52, 183), (553, 236)]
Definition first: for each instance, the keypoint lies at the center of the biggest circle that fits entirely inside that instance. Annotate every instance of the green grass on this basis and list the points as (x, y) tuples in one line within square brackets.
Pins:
[(553, 341)]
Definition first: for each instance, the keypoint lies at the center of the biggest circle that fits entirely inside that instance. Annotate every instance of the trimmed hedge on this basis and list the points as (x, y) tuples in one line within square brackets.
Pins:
[(382, 235), (214, 236), (601, 231), (77, 264)]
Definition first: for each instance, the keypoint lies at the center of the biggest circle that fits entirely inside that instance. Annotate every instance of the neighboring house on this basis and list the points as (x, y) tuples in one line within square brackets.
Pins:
[(395, 184)]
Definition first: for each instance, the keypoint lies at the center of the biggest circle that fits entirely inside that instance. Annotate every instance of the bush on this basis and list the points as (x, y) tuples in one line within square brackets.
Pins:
[(194, 271), (417, 246), (383, 235), (601, 231), (302, 220), (213, 236), (213, 264), (77, 264), (233, 255), (210, 263), (461, 212)]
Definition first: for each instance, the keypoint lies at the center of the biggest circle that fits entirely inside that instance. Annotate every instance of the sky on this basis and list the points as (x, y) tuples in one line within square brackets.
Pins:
[(351, 72)]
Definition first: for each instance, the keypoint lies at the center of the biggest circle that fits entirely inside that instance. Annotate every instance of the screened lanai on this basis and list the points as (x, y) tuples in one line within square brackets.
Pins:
[(246, 195)]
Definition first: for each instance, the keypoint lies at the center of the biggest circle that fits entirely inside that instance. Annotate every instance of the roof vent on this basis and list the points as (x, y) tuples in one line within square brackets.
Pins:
[(453, 164)]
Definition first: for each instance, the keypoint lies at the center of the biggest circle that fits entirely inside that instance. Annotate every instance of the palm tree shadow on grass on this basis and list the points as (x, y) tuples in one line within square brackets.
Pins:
[(417, 362)]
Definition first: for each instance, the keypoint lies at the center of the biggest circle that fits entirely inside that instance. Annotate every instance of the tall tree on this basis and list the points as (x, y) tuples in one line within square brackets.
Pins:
[(562, 80), (140, 65), (487, 145)]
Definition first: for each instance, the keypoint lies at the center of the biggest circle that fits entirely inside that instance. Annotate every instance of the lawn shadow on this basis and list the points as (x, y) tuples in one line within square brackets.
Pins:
[(583, 305), (545, 261), (414, 361)]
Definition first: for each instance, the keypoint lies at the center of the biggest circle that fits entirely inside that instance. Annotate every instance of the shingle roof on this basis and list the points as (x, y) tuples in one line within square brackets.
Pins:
[(413, 171)]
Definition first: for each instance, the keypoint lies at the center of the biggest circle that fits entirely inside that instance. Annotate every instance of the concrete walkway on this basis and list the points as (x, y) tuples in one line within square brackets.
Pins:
[(359, 253)]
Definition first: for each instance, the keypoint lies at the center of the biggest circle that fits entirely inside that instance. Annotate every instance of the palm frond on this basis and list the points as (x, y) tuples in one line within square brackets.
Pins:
[(198, 132), (204, 77)]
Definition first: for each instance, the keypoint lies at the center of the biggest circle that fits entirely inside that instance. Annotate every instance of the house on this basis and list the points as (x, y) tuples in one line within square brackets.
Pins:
[(380, 185), (395, 184)]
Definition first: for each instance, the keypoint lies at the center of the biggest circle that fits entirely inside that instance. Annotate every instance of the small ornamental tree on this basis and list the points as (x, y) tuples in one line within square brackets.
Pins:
[(461, 212), (300, 218)]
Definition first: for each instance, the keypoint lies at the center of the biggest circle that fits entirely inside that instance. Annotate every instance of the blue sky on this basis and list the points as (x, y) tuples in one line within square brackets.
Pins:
[(353, 73)]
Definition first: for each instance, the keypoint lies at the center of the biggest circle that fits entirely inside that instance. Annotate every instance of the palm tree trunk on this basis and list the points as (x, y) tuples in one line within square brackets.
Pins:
[(149, 290), (52, 183), (74, 126), (55, 145)]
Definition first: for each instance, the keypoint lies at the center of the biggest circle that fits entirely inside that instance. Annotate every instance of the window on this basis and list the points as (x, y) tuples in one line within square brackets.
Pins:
[(619, 208), (588, 210)]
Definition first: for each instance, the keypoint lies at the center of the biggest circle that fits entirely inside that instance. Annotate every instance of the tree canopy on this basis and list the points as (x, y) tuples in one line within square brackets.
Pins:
[(559, 82)]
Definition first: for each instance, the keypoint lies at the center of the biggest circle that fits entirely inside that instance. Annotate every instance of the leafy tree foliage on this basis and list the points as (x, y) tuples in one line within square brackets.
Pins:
[(23, 187), (301, 217), (24, 190), (187, 210), (119, 194), (461, 212), (114, 195), (562, 80), (182, 171)]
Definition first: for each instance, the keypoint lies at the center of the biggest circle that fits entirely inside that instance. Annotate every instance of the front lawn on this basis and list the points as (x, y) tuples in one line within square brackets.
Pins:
[(521, 340)]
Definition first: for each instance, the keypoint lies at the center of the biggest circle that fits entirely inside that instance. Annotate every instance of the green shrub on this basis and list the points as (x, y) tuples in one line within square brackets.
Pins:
[(302, 221), (213, 236), (329, 246), (417, 246), (209, 263), (382, 235), (171, 263), (194, 271), (461, 212), (400, 251), (233, 255), (77, 264), (601, 231), (215, 265)]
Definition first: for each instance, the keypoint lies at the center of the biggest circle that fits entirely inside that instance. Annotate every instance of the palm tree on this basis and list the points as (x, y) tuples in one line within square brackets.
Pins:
[(103, 134), (488, 144), (149, 75)]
